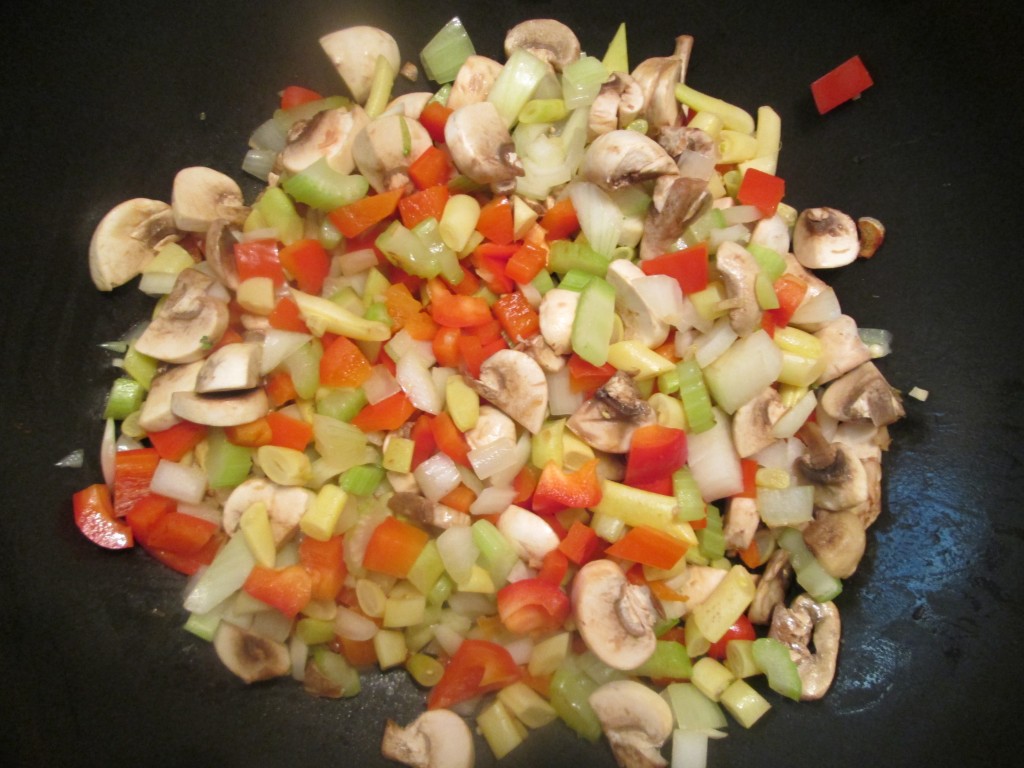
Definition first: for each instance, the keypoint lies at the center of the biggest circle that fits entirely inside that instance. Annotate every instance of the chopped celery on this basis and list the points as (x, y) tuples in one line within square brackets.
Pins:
[(711, 537), (429, 234), (314, 631), (427, 570), (669, 660), (404, 610), (635, 506), (224, 576), (380, 89), (527, 705), (764, 291), (570, 697), (140, 367), (711, 677), (398, 453), (547, 444), (733, 117), (342, 403), (278, 211), (581, 81), (405, 250), (424, 669), (773, 658), (543, 111), (303, 365), (694, 394), (745, 704), (543, 282), (575, 280), (566, 255), (809, 573), (227, 464), (594, 321), (769, 260), (362, 480), (688, 499), (204, 625), (125, 397), (668, 382), (616, 58), (497, 555), (338, 671), (321, 518), (725, 604), (692, 709), (739, 658), (500, 729), (446, 52), (323, 188), (516, 83)]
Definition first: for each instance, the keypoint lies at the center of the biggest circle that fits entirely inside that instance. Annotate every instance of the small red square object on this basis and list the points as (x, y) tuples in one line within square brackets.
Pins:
[(845, 82)]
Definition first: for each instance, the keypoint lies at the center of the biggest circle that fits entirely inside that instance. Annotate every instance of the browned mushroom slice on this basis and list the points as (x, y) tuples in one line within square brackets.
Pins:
[(385, 148), (202, 195), (607, 421), (837, 540), (824, 238), (126, 240), (806, 623), (685, 199), (189, 322), (835, 471), (426, 511), (329, 134), (739, 272), (482, 147), (473, 82), (841, 347), (249, 655), (863, 393), (753, 421), (436, 739), (620, 158), (636, 721), (771, 587), (547, 39)]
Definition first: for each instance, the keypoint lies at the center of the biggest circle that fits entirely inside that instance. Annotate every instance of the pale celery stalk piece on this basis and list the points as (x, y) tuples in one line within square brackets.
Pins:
[(635, 506), (255, 527), (547, 445), (322, 516), (638, 360), (711, 677), (224, 576), (380, 87), (323, 315), (500, 728), (594, 321), (729, 600), (398, 453), (527, 705), (739, 658), (548, 654), (693, 711), (745, 704), (406, 610), (463, 403), (733, 117), (575, 452), (735, 146), (390, 647), (616, 57)]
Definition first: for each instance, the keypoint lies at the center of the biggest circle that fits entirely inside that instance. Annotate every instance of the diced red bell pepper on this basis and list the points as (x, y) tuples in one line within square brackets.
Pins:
[(519, 320), (581, 544), (426, 204), (394, 547), (180, 533), (285, 316), (557, 490), (689, 267), (389, 414), (790, 291), (133, 472), (280, 388), (560, 220), (287, 432), (655, 452), (325, 563), (449, 439), (432, 168), (94, 516), (146, 513), (586, 377), (308, 263), (296, 95), (847, 81), (749, 470), (496, 220), (445, 345), (762, 190), (289, 589), (355, 218), (259, 258), (343, 364), (526, 263), (188, 563), (554, 567), (532, 605), (177, 440), (433, 117), (477, 667), (453, 310)]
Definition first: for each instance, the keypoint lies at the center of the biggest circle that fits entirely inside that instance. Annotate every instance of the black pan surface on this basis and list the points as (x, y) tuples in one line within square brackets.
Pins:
[(107, 101)]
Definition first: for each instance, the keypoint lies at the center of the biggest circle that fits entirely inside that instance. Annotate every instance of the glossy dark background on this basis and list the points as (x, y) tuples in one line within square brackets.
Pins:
[(106, 102)]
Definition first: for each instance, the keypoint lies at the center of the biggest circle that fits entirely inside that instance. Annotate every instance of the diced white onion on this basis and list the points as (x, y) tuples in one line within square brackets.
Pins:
[(492, 501), (600, 219), (448, 639), (278, 345), (259, 163), (402, 345), (712, 344), (437, 476), (380, 385), (819, 309), (741, 214), (458, 552), (416, 381), (786, 506), (493, 457), (520, 650), (179, 482), (713, 460), (353, 626), (203, 510), (269, 135), (507, 476), (108, 447), (354, 262), (689, 749), (737, 233), (794, 418), (662, 294), (562, 401), (696, 165)]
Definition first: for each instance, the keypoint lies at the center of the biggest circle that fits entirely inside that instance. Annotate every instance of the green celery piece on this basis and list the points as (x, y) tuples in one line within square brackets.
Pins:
[(669, 660), (323, 188), (334, 667), (496, 553), (566, 255), (774, 660), (594, 322), (446, 52), (543, 282), (712, 538), (405, 250), (204, 625), (427, 570), (810, 575), (314, 631), (700, 229), (279, 212), (668, 382), (693, 710), (570, 697), (448, 261), (694, 394), (126, 395), (575, 280), (140, 367), (342, 403), (688, 498), (362, 480), (768, 259), (227, 464), (303, 365)]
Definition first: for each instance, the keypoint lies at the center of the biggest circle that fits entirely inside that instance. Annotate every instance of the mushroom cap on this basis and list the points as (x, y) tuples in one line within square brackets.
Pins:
[(482, 147), (772, 232), (201, 195), (839, 484), (328, 134), (621, 157), (232, 367), (285, 506), (636, 720), (438, 738), (739, 271), (842, 348), (862, 393), (638, 318), (684, 199), (189, 322), (752, 422), (220, 253), (657, 78), (807, 621), (249, 655), (771, 587), (492, 424), (530, 534), (354, 50), (607, 420), (557, 313), (515, 383), (824, 238), (385, 148), (125, 240), (547, 39), (156, 414), (473, 81), (837, 540), (221, 410), (602, 600)]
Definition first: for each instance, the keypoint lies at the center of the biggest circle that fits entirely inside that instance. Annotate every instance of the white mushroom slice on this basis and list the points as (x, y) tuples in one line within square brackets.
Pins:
[(329, 134), (615, 618), (156, 414), (426, 511), (682, 199), (285, 506), (638, 318), (771, 587), (617, 104), (824, 238), (438, 738), (695, 584), (481, 146), (869, 511), (230, 368), (557, 313), (740, 522), (249, 655), (202, 195), (835, 471), (515, 383), (773, 233), (804, 623), (607, 420), (636, 721), (530, 534), (221, 410), (188, 323), (547, 39), (220, 252), (492, 424), (753, 421), (620, 158), (657, 78), (739, 271), (126, 240), (409, 104), (385, 148), (842, 348), (837, 540), (473, 81), (863, 393), (537, 348), (354, 50)]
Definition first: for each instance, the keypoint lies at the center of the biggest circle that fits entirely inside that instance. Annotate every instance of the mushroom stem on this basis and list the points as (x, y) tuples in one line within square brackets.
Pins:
[(821, 453)]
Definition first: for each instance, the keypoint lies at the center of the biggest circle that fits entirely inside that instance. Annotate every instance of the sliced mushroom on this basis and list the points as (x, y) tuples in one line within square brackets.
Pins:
[(156, 414), (837, 540), (638, 318), (329, 134), (615, 618), (537, 348), (841, 347), (694, 151), (872, 235), (514, 382), (426, 511), (824, 238), (616, 105), (684, 199), (804, 623), (557, 313), (249, 655), (473, 81), (230, 368), (771, 587), (202, 195), (220, 252), (772, 232), (481, 146), (658, 77), (753, 421), (221, 410), (740, 522), (547, 39), (530, 534), (285, 506), (739, 270), (836, 472), (636, 721), (607, 420), (492, 424), (126, 240), (695, 584), (410, 104), (188, 323), (620, 158), (353, 52), (385, 148), (862, 393), (438, 738), (869, 511)]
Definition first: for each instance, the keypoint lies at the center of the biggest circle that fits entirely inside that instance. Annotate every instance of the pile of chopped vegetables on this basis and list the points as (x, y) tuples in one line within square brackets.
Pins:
[(523, 383)]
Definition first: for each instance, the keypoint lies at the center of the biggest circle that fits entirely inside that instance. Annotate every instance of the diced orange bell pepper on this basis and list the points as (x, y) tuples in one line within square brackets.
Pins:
[(94, 516), (648, 546), (394, 547), (355, 218)]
